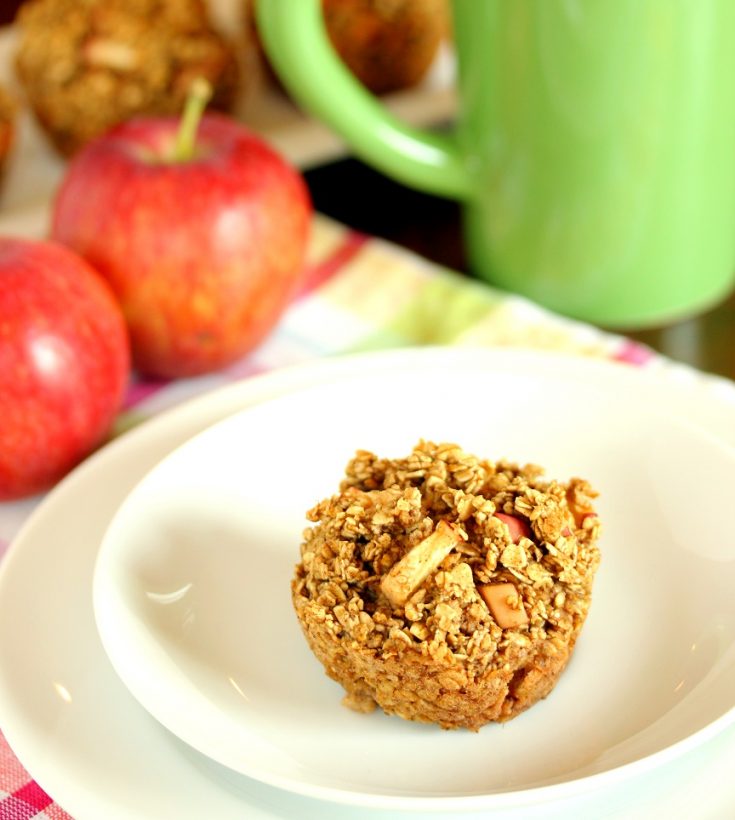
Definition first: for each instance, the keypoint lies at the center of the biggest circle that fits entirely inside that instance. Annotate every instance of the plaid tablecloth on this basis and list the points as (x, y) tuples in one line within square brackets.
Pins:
[(358, 294)]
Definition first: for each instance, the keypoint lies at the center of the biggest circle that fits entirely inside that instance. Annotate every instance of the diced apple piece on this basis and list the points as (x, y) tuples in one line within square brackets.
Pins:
[(407, 575), (518, 528), (505, 604)]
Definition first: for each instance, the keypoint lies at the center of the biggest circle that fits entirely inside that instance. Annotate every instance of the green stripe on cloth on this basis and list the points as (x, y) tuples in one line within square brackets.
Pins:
[(445, 307)]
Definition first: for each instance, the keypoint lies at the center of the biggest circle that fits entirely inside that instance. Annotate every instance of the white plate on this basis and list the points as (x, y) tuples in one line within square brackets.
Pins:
[(99, 754), (192, 587)]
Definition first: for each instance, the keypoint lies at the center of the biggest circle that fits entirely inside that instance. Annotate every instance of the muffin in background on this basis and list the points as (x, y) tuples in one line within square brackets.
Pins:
[(388, 45), (86, 65)]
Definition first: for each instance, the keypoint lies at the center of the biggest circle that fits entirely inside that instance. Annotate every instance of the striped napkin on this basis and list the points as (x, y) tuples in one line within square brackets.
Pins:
[(358, 294)]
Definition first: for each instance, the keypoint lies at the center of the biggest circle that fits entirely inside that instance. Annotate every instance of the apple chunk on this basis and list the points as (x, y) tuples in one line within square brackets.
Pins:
[(505, 604), (407, 575), (517, 527)]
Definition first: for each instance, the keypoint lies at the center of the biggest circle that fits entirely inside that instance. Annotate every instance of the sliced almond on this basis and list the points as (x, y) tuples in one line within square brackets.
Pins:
[(407, 575), (505, 604)]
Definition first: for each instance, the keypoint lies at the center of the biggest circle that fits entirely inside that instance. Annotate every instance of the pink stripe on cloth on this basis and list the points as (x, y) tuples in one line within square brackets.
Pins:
[(139, 391), (3, 546), (24, 803), (317, 275), (633, 353), (22, 798)]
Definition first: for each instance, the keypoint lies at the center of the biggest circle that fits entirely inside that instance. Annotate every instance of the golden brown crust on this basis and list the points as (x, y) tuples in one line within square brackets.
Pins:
[(442, 657), (87, 65)]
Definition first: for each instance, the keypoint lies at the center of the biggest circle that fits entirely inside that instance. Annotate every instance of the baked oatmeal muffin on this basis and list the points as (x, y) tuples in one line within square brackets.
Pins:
[(446, 588), (388, 45), (86, 65)]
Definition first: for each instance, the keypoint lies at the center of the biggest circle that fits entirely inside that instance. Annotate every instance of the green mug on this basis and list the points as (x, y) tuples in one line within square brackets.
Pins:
[(593, 152)]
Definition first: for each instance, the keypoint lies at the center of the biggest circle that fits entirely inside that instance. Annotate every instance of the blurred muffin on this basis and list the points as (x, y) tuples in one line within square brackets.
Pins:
[(87, 65), (387, 44)]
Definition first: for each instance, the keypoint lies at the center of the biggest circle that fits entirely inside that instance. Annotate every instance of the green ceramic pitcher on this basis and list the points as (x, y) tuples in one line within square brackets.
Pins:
[(593, 152)]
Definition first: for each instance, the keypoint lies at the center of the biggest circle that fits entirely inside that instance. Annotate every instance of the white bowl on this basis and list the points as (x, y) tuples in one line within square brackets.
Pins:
[(192, 599)]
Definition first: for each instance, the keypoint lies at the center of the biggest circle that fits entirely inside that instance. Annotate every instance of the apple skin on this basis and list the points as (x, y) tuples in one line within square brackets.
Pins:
[(517, 527), (64, 363), (203, 255)]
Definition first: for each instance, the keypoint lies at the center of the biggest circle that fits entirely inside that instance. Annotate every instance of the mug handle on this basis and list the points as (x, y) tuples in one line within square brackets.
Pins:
[(296, 41)]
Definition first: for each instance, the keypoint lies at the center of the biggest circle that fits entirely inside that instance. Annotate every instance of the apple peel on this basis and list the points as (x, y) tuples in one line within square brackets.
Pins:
[(516, 526)]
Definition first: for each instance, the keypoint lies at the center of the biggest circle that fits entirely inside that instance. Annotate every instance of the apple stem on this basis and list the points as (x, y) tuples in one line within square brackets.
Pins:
[(199, 95)]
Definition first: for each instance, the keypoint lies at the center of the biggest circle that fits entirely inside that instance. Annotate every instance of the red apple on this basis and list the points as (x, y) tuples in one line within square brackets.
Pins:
[(64, 362), (203, 253)]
